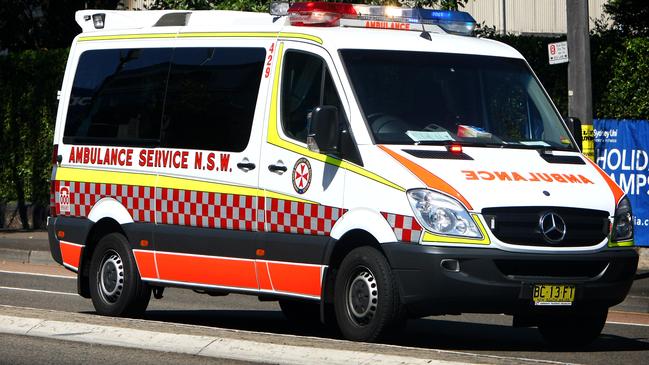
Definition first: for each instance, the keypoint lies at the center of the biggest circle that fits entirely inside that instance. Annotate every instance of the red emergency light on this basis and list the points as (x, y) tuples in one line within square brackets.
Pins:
[(319, 13)]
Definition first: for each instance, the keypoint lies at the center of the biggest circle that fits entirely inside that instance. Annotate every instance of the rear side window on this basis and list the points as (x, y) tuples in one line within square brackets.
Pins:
[(211, 98), (117, 97)]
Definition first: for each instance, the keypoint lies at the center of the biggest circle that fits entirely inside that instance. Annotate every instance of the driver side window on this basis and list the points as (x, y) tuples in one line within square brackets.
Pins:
[(306, 84)]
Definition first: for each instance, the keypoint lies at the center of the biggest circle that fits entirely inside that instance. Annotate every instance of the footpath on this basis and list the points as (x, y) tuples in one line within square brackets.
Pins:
[(32, 247)]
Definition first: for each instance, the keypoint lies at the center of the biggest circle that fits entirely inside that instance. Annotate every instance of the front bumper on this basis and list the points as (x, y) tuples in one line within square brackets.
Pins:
[(495, 281)]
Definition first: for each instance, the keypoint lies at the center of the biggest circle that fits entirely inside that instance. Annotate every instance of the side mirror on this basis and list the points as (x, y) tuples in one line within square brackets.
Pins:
[(324, 131), (575, 128)]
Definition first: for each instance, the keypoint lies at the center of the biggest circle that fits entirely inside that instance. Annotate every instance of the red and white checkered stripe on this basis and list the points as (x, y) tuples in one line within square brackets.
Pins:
[(203, 209), (209, 210), (138, 200), (405, 227), (302, 218)]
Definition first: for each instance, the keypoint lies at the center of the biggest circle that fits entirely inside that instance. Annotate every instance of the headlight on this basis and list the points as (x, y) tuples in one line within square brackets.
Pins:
[(623, 222), (441, 214)]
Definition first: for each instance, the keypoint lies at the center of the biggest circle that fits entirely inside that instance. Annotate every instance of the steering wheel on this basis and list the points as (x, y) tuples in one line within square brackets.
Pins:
[(386, 123)]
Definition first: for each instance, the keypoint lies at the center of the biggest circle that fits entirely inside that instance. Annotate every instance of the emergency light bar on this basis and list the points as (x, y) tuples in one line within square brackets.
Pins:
[(322, 14)]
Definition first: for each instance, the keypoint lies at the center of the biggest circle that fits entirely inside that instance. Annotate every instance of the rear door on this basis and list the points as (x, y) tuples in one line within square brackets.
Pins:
[(207, 213), (303, 189)]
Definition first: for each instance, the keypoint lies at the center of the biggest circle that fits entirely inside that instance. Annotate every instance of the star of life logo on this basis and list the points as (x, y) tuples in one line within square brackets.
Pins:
[(64, 199), (301, 175)]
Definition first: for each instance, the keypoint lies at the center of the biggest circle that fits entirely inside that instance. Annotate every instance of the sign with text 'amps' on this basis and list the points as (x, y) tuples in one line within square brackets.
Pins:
[(622, 150)]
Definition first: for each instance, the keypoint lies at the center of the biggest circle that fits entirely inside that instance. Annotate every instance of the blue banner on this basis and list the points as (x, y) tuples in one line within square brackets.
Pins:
[(622, 150)]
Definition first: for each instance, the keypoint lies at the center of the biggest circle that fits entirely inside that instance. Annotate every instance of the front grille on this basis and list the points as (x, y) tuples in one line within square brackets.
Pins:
[(520, 225)]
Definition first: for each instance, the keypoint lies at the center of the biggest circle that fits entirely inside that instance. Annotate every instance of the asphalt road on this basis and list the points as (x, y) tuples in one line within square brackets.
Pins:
[(490, 335)]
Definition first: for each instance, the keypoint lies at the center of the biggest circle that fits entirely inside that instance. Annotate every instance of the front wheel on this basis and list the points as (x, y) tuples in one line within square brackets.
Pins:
[(115, 285), (366, 299), (574, 330)]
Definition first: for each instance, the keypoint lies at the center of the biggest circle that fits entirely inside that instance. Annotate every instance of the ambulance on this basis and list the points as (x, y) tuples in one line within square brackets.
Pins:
[(360, 164)]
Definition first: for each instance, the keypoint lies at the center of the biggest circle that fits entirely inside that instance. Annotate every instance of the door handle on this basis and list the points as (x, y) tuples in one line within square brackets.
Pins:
[(279, 168), (245, 165)]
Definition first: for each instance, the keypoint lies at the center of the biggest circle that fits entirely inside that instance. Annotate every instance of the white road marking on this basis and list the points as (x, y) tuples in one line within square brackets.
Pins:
[(37, 274), (38, 291)]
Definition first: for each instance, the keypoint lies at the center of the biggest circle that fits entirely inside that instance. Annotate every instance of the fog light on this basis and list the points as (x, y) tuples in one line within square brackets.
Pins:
[(450, 265)]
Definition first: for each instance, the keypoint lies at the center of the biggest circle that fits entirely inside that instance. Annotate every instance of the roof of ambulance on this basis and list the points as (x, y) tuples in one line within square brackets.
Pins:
[(339, 37), (365, 38)]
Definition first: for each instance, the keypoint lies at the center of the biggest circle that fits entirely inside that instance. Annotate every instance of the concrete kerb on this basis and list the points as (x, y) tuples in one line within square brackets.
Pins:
[(215, 347), (26, 256)]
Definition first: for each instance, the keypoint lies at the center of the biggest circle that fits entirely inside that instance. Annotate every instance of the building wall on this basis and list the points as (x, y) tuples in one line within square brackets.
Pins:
[(521, 16), (136, 4), (529, 16)]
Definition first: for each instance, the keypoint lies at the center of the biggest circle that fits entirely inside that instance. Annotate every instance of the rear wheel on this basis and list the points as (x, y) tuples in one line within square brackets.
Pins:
[(366, 299), (574, 330), (115, 285)]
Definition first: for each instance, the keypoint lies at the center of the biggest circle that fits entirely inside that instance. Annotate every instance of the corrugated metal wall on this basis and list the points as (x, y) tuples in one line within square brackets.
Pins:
[(529, 16)]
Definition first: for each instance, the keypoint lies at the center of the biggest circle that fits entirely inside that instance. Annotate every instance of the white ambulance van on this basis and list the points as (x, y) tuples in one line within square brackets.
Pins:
[(360, 164)]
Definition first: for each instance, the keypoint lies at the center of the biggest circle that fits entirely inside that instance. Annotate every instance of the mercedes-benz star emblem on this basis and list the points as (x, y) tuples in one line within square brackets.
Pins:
[(552, 227)]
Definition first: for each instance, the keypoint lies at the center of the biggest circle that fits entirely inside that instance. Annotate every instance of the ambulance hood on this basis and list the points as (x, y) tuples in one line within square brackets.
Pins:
[(500, 177)]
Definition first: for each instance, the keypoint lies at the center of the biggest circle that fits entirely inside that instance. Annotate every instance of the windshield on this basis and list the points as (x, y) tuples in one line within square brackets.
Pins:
[(440, 98)]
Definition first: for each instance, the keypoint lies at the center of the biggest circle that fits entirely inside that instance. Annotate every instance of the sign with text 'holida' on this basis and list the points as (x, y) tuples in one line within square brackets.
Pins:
[(622, 150)]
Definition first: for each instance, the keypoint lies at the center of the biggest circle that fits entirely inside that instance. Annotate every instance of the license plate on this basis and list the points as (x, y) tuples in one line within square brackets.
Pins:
[(550, 294)]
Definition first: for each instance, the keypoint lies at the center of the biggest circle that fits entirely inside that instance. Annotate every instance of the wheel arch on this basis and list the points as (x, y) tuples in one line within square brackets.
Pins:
[(98, 230), (334, 255), (367, 220)]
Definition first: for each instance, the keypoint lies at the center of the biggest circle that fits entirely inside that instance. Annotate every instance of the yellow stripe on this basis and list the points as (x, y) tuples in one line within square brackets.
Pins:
[(126, 36), (630, 243), (227, 35), (203, 35), (431, 237), (105, 177), (301, 36), (275, 139), (151, 180)]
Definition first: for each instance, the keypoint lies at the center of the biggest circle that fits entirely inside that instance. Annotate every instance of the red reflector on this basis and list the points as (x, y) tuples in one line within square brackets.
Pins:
[(455, 148), (144, 243), (55, 154), (60, 234), (260, 252)]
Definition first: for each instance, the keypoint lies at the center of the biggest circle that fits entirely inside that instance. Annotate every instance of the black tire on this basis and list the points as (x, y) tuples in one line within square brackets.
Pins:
[(300, 311), (366, 298), (573, 331), (115, 285)]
